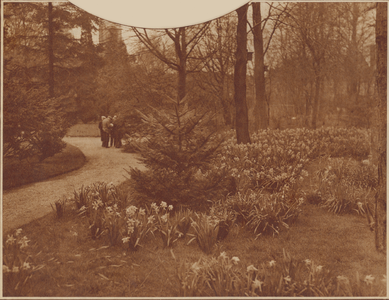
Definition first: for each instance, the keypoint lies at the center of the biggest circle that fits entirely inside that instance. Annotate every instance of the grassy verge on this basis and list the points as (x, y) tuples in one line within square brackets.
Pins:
[(17, 173), (84, 130), (76, 265)]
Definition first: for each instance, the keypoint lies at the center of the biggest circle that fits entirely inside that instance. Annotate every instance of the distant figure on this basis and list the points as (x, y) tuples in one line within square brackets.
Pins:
[(101, 128), (114, 132), (120, 130), (106, 128)]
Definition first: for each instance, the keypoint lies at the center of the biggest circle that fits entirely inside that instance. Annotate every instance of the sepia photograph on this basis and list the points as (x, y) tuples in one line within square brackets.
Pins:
[(176, 152)]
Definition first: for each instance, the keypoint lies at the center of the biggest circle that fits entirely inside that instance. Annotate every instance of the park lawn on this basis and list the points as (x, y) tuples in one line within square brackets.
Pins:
[(76, 265), (84, 130), (17, 173)]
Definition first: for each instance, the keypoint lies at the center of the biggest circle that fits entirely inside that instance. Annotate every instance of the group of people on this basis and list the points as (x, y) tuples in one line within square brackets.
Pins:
[(111, 132)]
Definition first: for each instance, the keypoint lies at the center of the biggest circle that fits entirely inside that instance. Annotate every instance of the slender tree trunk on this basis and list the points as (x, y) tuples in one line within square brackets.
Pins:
[(315, 107), (381, 84), (182, 65), (51, 50), (260, 105), (242, 121)]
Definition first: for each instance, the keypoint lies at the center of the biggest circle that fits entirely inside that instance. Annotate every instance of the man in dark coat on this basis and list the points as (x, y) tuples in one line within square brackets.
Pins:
[(106, 128), (101, 128)]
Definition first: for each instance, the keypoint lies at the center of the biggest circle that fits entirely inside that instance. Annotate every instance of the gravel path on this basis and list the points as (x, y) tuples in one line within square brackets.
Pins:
[(24, 204)]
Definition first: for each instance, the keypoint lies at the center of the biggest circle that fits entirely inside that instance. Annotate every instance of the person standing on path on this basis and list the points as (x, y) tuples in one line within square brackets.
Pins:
[(106, 128), (114, 132), (101, 129)]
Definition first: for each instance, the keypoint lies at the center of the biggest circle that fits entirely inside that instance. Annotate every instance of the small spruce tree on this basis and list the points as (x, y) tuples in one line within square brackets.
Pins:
[(179, 156)]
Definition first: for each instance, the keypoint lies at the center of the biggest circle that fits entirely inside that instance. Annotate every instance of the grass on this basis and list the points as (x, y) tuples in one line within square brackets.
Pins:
[(84, 130), (76, 265), (17, 173)]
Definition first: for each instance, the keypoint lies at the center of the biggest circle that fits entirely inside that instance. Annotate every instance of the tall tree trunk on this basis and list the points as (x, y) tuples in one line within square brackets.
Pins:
[(381, 84), (182, 65), (51, 50), (242, 120), (260, 105), (315, 107)]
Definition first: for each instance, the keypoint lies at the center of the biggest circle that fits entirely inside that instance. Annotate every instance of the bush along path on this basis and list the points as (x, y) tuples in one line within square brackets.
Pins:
[(32, 201)]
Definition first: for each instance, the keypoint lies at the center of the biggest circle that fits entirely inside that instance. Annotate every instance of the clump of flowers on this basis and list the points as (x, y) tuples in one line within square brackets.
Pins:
[(17, 265), (342, 188), (164, 225), (138, 225), (265, 213), (286, 277), (206, 231)]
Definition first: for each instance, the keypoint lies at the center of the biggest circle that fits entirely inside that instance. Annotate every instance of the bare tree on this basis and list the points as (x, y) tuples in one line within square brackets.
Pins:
[(242, 122), (185, 40), (381, 85), (260, 107)]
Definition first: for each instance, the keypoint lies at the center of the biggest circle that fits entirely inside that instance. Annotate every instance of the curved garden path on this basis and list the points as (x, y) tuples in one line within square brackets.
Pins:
[(32, 201)]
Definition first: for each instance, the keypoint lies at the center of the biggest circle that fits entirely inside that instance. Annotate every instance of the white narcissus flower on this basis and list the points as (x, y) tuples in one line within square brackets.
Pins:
[(163, 204), (26, 266), (319, 268), (6, 269), (308, 262), (257, 284), (18, 231), (223, 254), (235, 260), (125, 240), (170, 207), (23, 242), (195, 267), (131, 210), (272, 263), (164, 218), (251, 268), (369, 279), (287, 279), (15, 269), (10, 240)]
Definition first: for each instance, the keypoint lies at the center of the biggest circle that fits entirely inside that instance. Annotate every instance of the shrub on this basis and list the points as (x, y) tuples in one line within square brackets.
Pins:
[(34, 124)]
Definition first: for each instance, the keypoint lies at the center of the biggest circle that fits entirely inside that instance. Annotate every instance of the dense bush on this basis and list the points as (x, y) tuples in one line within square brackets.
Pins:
[(34, 125)]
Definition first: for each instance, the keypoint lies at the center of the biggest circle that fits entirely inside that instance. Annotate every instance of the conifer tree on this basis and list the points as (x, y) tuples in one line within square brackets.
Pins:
[(179, 157)]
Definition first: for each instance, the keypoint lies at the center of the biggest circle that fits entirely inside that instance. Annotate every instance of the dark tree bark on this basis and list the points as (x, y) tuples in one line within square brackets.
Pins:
[(260, 106), (51, 50), (182, 57), (381, 84), (242, 121)]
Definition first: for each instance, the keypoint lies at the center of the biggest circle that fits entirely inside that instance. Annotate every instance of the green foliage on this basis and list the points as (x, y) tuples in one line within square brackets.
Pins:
[(18, 266), (264, 213), (138, 225), (206, 231), (346, 186), (224, 276), (34, 125), (59, 207), (179, 156), (277, 158)]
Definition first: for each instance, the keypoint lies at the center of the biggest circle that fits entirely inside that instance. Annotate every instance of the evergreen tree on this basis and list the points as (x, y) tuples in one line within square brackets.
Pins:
[(179, 158)]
